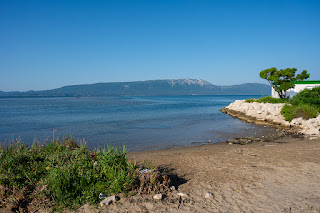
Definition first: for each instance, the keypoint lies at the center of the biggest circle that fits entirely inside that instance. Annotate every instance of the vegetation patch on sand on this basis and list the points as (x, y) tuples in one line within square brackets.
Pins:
[(62, 174)]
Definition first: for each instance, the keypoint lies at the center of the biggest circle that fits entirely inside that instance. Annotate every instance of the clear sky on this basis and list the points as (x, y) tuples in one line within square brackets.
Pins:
[(47, 44)]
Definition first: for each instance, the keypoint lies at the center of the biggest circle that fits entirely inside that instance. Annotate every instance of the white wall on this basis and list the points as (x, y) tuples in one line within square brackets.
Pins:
[(292, 92)]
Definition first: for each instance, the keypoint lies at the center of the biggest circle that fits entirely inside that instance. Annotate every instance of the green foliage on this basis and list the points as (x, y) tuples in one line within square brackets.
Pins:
[(305, 111), (307, 96), (74, 175), (250, 100), (283, 79), (21, 166), (266, 99)]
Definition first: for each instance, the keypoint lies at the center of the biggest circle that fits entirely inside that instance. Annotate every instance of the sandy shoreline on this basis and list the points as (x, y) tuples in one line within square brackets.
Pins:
[(278, 176)]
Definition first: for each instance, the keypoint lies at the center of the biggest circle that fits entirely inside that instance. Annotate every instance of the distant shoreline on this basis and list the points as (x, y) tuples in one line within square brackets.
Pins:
[(3, 97)]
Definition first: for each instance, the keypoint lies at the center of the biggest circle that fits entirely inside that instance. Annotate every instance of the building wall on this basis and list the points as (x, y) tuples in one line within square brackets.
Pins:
[(297, 88)]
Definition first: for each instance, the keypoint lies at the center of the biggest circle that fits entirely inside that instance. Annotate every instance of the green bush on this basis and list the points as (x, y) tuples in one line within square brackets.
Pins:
[(266, 99), (303, 110), (307, 96), (81, 178), (73, 175), (21, 166)]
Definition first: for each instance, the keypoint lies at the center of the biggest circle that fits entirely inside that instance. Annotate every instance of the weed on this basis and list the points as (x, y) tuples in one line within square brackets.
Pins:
[(303, 110), (73, 175)]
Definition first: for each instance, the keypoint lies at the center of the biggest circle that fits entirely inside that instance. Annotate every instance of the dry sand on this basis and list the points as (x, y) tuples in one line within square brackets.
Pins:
[(278, 176)]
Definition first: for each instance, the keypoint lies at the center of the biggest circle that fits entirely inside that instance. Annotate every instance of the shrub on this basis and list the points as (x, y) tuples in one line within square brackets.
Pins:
[(307, 96), (80, 177), (303, 110)]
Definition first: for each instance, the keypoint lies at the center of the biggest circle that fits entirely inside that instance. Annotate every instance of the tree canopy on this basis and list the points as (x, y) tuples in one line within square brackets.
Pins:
[(283, 79)]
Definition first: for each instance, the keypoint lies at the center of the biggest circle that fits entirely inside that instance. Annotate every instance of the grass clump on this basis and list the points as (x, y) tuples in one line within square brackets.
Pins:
[(295, 111), (250, 100), (21, 166), (266, 99), (72, 174)]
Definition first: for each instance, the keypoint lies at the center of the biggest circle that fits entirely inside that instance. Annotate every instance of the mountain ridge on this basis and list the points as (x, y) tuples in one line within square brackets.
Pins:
[(170, 87)]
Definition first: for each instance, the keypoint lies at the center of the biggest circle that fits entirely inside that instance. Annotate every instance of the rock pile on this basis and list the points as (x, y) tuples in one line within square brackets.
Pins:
[(270, 113)]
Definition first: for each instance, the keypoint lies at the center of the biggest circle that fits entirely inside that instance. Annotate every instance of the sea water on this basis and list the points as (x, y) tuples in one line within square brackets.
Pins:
[(139, 123)]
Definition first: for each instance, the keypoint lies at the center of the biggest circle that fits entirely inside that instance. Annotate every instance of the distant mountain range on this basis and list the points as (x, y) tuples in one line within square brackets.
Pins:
[(147, 88)]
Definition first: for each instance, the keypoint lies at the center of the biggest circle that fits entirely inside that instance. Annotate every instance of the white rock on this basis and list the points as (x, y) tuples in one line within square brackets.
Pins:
[(208, 195), (158, 197), (313, 131), (107, 201), (172, 188)]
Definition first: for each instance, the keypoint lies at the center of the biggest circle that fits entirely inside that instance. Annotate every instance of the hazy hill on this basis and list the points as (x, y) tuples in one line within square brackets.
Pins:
[(150, 88)]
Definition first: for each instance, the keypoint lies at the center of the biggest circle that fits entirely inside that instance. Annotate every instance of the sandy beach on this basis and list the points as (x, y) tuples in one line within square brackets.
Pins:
[(278, 176)]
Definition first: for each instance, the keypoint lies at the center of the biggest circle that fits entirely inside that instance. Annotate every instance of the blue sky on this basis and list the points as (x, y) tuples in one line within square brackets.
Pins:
[(51, 43)]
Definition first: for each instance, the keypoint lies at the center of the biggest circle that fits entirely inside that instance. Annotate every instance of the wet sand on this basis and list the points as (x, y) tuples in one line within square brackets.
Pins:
[(278, 176)]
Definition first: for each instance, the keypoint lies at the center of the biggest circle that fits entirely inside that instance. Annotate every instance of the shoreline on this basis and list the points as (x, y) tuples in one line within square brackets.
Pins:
[(270, 114), (270, 173), (280, 175)]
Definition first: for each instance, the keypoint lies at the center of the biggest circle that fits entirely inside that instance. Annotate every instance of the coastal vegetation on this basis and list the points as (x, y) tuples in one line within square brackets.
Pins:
[(305, 111), (283, 79), (305, 104), (62, 173), (267, 99), (307, 96)]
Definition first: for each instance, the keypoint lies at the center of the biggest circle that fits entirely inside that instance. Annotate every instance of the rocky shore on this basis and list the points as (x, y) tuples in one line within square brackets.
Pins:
[(266, 113)]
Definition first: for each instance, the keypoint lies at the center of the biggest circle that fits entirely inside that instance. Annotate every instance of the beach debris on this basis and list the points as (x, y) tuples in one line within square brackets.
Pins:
[(101, 196), (143, 171), (208, 195), (152, 181), (107, 201), (172, 188), (158, 197), (243, 141)]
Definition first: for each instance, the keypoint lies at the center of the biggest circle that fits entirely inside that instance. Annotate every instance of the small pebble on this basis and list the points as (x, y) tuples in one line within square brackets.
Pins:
[(181, 194), (157, 197), (208, 195), (108, 200), (101, 196)]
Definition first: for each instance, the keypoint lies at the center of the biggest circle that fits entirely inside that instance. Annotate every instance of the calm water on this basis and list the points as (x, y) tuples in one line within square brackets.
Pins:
[(140, 123)]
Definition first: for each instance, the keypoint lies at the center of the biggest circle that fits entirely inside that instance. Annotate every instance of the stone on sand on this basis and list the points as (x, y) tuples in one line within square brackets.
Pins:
[(107, 201), (158, 197)]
